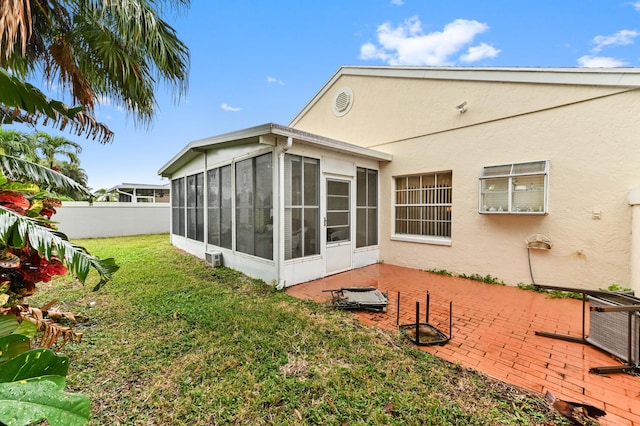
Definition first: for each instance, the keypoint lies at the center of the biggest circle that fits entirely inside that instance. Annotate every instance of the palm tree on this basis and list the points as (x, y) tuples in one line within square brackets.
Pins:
[(93, 49), (104, 195), (17, 144), (73, 171), (48, 147)]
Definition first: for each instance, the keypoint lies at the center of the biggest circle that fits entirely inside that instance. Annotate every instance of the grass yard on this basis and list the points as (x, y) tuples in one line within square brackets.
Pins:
[(173, 342)]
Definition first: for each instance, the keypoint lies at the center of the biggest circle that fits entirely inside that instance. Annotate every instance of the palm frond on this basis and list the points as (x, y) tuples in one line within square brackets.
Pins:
[(15, 25), (21, 102), (19, 231), (18, 169)]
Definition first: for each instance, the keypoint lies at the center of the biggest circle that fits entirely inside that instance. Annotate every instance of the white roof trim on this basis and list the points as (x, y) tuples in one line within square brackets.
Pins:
[(612, 77), (253, 134), (126, 185)]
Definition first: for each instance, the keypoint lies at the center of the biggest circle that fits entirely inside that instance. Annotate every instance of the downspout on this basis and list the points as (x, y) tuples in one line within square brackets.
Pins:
[(634, 202), (279, 214)]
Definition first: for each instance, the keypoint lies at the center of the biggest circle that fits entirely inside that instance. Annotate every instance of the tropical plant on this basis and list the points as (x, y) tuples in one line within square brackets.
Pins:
[(104, 195), (22, 102), (17, 144), (93, 49), (32, 250), (50, 147), (72, 171), (32, 381)]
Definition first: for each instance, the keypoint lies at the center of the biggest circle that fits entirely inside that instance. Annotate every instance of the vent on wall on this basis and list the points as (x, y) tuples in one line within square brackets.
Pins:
[(213, 258), (342, 101)]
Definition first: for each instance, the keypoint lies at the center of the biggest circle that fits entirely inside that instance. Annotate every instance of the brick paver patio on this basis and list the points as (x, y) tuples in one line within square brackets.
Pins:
[(494, 332)]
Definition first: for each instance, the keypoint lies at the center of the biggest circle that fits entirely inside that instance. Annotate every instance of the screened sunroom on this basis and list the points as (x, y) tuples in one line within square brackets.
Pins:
[(276, 203)]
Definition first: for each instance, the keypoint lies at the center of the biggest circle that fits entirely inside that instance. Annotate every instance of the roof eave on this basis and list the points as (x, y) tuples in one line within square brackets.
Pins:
[(253, 134)]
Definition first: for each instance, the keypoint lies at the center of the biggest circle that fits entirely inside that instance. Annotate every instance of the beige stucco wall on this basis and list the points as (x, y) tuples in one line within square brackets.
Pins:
[(588, 133)]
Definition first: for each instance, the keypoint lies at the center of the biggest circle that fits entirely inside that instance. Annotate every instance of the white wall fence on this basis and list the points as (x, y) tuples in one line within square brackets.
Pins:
[(81, 220)]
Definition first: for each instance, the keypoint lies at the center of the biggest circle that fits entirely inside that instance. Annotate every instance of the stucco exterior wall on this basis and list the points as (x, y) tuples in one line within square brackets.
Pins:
[(81, 220), (588, 133), (634, 202)]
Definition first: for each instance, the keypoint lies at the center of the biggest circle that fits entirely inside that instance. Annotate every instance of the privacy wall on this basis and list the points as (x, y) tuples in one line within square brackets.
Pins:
[(82, 220)]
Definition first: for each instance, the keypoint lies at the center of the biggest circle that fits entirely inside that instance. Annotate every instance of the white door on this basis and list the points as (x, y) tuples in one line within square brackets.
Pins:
[(337, 223)]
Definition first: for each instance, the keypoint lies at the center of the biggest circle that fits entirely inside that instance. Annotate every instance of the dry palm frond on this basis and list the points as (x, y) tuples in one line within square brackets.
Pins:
[(50, 322), (15, 25)]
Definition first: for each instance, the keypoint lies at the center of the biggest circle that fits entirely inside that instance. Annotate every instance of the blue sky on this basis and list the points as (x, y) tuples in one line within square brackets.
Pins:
[(254, 62)]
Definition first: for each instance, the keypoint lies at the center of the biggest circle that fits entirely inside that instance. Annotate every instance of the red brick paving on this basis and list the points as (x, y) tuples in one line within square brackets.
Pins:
[(494, 332)]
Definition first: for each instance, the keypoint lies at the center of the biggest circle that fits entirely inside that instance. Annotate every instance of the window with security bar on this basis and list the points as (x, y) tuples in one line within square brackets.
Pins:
[(423, 205)]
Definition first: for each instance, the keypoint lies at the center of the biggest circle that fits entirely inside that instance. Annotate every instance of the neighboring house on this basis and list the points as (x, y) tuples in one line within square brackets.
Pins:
[(142, 193), (469, 170)]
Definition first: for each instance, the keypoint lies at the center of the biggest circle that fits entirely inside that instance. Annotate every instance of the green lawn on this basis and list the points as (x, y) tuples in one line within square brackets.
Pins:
[(173, 342)]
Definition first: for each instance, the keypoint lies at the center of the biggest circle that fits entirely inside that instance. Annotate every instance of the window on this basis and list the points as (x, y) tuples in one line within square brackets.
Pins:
[(219, 206), (254, 206), (301, 217), (177, 207), (519, 188), (195, 207), (366, 207), (162, 196), (423, 205), (338, 211)]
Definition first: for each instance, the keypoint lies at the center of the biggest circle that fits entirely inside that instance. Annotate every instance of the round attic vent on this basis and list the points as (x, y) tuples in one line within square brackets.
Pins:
[(342, 101)]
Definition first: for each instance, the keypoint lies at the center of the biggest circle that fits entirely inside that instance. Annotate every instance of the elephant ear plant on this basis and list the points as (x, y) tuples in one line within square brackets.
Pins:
[(32, 250)]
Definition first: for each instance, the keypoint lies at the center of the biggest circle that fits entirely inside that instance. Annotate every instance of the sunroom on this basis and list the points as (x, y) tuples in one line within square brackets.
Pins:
[(276, 203)]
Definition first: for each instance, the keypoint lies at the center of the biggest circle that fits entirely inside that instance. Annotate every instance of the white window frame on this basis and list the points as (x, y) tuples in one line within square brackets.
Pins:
[(516, 189), (443, 197)]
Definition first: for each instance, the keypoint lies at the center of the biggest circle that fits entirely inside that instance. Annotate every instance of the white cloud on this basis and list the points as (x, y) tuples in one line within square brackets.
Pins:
[(407, 44), (636, 5), (227, 107), (588, 61), (622, 37), (479, 52), (397, 2), (272, 80)]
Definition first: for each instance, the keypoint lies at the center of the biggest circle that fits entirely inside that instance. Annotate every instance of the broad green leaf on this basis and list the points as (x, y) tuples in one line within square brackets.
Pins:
[(28, 401), (8, 324), (11, 346), (30, 188), (27, 328), (34, 363)]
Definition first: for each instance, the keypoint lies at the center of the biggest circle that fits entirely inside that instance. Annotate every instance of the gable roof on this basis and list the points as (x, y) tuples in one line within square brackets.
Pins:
[(255, 134), (605, 77)]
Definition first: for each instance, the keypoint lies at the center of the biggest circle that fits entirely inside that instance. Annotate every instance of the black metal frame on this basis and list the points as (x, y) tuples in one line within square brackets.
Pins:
[(631, 309), (442, 338)]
